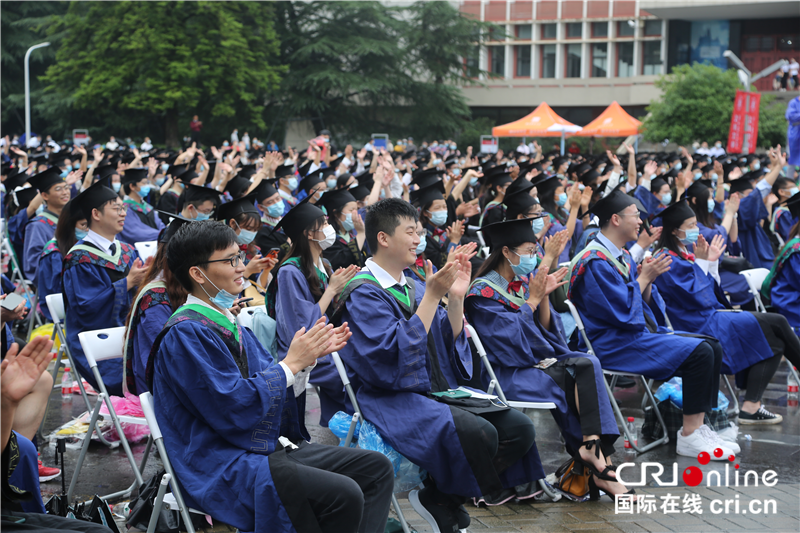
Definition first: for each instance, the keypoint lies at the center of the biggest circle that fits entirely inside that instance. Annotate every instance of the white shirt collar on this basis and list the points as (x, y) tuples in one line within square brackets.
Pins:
[(384, 278), (192, 299), (610, 246), (101, 242)]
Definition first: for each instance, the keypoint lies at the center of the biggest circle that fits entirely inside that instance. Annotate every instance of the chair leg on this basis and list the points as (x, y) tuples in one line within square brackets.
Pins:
[(162, 489), (176, 490), (85, 447), (623, 422), (123, 441), (85, 396), (554, 496), (649, 384), (735, 409), (400, 516)]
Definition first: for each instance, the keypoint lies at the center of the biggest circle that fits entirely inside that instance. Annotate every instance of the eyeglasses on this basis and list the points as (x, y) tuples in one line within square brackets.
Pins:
[(422, 234), (60, 188), (120, 209), (531, 252), (233, 260)]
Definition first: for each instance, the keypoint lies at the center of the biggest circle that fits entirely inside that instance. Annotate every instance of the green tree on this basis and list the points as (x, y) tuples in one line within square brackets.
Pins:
[(131, 63), (697, 103)]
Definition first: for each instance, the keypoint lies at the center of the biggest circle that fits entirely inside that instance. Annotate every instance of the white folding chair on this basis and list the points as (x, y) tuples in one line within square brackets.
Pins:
[(485, 250), (356, 416), (173, 500), (614, 405), (755, 279), (101, 345), (146, 249), (18, 278)]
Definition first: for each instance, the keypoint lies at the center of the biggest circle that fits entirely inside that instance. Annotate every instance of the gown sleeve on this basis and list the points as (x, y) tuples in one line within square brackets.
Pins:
[(150, 325), (135, 230), (37, 235), (340, 255), (295, 307), (687, 287), (95, 302), (752, 211), (619, 305)]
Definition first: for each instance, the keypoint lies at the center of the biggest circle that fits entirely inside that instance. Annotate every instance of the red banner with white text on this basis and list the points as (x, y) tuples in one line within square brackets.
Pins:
[(744, 120)]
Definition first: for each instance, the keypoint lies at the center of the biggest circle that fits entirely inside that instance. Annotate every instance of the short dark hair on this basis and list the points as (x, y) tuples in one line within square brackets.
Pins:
[(779, 184), (384, 216), (194, 244), (100, 208)]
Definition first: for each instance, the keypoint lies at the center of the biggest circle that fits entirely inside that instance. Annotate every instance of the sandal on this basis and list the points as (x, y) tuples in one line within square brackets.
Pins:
[(600, 475)]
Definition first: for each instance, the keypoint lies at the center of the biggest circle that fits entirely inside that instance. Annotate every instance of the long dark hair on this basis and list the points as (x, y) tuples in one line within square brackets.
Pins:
[(795, 231), (333, 219), (491, 262), (668, 240), (423, 218), (65, 229), (301, 248), (549, 205), (700, 208)]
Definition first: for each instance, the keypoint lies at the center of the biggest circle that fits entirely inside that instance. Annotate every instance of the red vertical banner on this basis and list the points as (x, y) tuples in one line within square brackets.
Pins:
[(736, 132), (751, 124)]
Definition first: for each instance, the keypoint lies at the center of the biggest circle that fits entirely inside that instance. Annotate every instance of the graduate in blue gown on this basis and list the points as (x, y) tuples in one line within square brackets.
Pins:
[(782, 218), (41, 229), (696, 303), (441, 239), (286, 183), (230, 415), (625, 322), (23, 206), (657, 198), (406, 348), (271, 207), (783, 282), (142, 224), (302, 290), (553, 198), (349, 247), (98, 279), (417, 270)]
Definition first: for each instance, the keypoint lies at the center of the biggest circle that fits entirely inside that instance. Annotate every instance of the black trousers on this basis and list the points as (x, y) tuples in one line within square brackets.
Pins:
[(782, 341), (700, 373), (349, 489)]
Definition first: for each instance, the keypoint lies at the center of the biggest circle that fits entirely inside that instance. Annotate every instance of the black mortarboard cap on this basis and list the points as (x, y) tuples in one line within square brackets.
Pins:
[(177, 170), (656, 184), (426, 195), (519, 185), (674, 215), (44, 180), (284, 170), (16, 179), (212, 169), (333, 200), (298, 219), (104, 171), (196, 193), (237, 186), (247, 170), (498, 180), (740, 185), (96, 195), (134, 175), (310, 181), (265, 190), (546, 188), (173, 226), (695, 189), (793, 204), (509, 233), (23, 197), (186, 176), (518, 203), (613, 203), (302, 169), (236, 207), (590, 178)]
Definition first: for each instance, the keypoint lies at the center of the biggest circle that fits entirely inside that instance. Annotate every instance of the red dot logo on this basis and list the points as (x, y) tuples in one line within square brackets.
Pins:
[(718, 452), (731, 458), (703, 458), (736, 467), (692, 476)]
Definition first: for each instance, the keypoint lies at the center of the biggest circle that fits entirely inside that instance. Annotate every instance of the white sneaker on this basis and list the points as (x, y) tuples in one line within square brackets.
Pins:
[(703, 439), (729, 436)]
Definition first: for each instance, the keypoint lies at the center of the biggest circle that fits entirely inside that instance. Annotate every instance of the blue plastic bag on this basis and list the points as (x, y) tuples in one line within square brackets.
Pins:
[(673, 389)]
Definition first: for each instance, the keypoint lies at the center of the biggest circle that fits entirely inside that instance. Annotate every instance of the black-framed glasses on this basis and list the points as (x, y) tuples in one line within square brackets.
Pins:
[(528, 253), (233, 260)]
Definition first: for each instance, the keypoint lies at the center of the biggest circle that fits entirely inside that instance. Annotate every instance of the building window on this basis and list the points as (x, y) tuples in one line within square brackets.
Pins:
[(751, 44), (523, 54), (767, 44), (574, 30), (651, 64), (524, 32), (599, 60), (549, 61), (549, 31), (497, 60), (473, 62), (652, 28), (624, 60), (624, 29), (573, 60), (599, 29)]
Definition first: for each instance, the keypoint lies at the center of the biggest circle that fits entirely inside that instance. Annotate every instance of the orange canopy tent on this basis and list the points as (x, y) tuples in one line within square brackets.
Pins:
[(534, 125), (613, 122)]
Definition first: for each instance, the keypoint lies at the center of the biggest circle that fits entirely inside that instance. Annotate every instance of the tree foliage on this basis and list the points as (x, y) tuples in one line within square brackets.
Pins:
[(697, 103)]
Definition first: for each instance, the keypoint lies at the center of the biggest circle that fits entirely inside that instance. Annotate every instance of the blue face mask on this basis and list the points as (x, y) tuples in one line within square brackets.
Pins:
[(473, 181), (69, 168), (291, 183), (456, 172), (698, 175), (538, 225), (245, 236), (527, 264), (421, 246), (275, 210), (755, 166), (145, 190), (652, 177), (160, 181), (64, 173), (678, 165), (714, 176), (164, 167), (711, 205), (223, 299), (691, 236), (347, 223), (201, 216), (80, 233), (40, 209), (793, 191), (116, 186), (666, 199), (331, 183), (438, 218), (437, 162), (561, 201)]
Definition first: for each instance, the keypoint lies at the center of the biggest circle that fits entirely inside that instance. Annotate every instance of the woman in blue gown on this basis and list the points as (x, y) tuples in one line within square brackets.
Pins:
[(302, 291), (349, 247), (783, 282), (782, 218), (697, 304), (520, 329), (553, 198)]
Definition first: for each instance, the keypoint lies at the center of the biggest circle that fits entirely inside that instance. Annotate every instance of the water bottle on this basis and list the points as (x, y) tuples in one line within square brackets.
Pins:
[(792, 386), (66, 384), (631, 425)]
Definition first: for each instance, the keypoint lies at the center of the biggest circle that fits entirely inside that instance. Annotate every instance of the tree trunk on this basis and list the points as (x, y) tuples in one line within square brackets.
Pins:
[(173, 139)]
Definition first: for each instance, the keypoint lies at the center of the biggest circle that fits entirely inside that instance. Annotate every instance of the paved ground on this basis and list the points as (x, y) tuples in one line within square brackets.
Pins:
[(774, 448)]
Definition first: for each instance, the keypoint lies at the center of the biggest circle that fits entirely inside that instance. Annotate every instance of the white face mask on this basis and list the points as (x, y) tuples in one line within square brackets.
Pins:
[(330, 237)]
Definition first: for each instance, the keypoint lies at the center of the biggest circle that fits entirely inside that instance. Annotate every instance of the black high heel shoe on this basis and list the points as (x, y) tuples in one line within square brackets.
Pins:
[(600, 475), (594, 491)]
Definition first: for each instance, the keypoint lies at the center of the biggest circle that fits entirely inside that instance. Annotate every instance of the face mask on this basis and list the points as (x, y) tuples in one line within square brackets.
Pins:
[(473, 181), (223, 299), (785, 170), (353, 185), (64, 173), (581, 186), (793, 191), (69, 168), (456, 172), (711, 205), (421, 246), (437, 162), (225, 143), (330, 238), (201, 216), (291, 183), (144, 190), (666, 199), (755, 166), (698, 175), (714, 176), (438, 218), (527, 264), (718, 145), (80, 233), (452, 146), (561, 200), (40, 209), (275, 210), (116, 186), (652, 177), (678, 165), (160, 181), (331, 184), (691, 236), (245, 236), (347, 223), (164, 167), (538, 225)]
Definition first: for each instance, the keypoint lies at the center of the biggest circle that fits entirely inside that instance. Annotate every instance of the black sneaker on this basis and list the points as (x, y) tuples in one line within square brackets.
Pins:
[(441, 517), (761, 417), (462, 517)]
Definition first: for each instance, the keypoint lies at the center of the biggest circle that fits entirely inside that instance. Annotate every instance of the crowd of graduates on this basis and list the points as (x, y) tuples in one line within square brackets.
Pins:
[(384, 256)]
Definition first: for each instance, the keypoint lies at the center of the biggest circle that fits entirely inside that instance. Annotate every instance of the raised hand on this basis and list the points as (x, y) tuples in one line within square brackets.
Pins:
[(732, 204), (469, 250), (460, 286), (645, 240), (735, 174), (649, 169), (654, 267), (307, 346), (537, 286), (455, 231), (73, 177), (716, 248), (21, 369), (555, 244), (438, 285), (701, 248), (554, 280), (341, 277)]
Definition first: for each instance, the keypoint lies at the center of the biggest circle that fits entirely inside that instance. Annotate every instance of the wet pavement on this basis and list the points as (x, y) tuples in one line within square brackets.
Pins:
[(665, 508)]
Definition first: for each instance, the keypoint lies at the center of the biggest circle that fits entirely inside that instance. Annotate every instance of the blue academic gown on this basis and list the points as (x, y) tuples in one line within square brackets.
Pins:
[(752, 237), (222, 430), (388, 365), (150, 325), (693, 302), (732, 282), (38, 233), (48, 276), (515, 340), (650, 202), (793, 130), (16, 232), (137, 231), (93, 301), (785, 290), (295, 308), (783, 222), (555, 227), (613, 313)]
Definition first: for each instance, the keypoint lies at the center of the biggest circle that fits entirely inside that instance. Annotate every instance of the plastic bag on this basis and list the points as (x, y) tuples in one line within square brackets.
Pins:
[(129, 406), (673, 389), (339, 424)]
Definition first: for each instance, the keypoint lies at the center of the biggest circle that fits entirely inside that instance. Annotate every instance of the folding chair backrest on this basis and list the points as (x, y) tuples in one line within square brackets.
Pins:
[(146, 400), (146, 249), (494, 385), (755, 279), (579, 323), (55, 303), (345, 380), (102, 344), (245, 318)]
